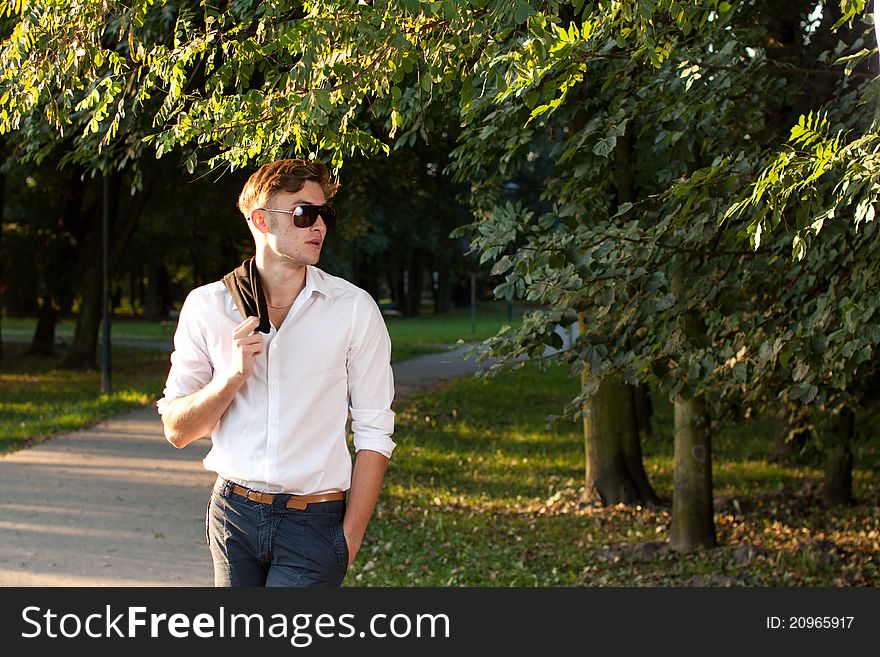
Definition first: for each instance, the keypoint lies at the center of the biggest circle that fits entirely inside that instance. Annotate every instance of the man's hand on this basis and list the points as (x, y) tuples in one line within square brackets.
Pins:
[(353, 547), (248, 345)]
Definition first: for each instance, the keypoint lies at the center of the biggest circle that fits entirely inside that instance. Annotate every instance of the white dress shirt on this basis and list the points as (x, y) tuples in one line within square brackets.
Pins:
[(285, 430)]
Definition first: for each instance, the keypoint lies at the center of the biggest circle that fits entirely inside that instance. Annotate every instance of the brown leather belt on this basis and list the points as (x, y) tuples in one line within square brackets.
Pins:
[(295, 502)]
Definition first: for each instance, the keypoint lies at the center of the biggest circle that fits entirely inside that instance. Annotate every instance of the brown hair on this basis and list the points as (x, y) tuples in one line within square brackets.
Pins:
[(284, 176)]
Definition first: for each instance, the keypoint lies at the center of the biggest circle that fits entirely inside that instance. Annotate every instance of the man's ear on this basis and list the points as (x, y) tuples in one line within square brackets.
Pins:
[(258, 219)]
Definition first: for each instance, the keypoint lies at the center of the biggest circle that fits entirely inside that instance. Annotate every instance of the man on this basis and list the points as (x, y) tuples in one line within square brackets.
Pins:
[(274, 391)]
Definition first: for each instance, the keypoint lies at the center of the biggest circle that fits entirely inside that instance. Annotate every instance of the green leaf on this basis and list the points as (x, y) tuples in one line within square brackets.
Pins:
[(522, 12), (605, 146), (622, 209), (503, 264)]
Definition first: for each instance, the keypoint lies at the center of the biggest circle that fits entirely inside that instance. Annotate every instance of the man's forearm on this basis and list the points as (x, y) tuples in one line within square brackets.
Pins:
[(191, 417), (366, 482)]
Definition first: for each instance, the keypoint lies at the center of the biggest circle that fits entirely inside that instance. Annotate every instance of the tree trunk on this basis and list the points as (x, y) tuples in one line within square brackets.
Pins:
[(640, 403), (606, 421), (442, 296), (157, 294), (692, 514), (632, 452), (43, 342), (643, 411), (783, 444), (614, 470), (133, 278), (837, 487), (365, 276), (398, 294), (82, 352), (414, 294), (693, 524), (53, 264)]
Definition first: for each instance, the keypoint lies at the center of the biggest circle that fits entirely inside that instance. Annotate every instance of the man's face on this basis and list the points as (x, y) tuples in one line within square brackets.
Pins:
[(297, 246)]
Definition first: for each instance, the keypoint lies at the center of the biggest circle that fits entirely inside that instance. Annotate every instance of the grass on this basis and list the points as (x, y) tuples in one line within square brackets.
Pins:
[(432, 333), (479, 493), (39, 400)]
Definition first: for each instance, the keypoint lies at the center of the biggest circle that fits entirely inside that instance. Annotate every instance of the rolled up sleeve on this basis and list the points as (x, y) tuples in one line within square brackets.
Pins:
[(191, 368), (370, 380)]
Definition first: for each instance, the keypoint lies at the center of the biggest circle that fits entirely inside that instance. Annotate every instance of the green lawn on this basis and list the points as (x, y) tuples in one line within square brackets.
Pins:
[(38, 400), (431, 333), (479, 493)]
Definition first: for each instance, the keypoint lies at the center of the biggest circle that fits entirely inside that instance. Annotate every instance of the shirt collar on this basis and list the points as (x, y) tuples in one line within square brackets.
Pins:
[(315, 282)]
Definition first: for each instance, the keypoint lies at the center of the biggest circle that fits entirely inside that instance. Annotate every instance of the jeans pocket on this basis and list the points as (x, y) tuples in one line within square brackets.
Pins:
[(340, 546)]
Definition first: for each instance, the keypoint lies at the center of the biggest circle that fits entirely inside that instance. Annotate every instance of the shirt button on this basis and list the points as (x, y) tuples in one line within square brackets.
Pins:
[(274, 345), (273, 385)]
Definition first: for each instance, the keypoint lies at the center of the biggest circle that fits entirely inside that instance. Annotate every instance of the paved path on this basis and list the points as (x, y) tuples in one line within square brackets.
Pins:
[(116, 505)]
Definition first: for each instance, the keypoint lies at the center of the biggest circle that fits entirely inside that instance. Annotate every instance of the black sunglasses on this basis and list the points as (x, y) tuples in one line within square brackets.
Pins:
[(305, 216)]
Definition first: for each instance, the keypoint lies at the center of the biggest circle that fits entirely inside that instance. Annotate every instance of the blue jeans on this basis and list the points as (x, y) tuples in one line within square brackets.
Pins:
[(254, 544)]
